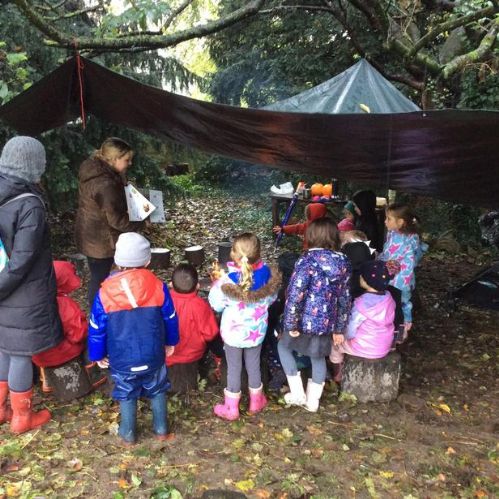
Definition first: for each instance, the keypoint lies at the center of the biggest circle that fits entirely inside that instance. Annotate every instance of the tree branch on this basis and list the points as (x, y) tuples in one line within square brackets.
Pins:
[(176, 12), (448, 26), (62, 39), (69, 15), (474, 56)]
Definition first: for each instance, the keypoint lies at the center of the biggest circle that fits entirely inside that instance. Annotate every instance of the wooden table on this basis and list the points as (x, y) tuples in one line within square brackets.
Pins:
[(277, 200)]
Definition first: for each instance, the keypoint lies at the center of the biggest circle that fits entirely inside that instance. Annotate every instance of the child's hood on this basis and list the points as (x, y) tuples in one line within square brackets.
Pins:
[(315, 211), (66, 278), (235, 292), (376, 307), (328, 261), (142, 284)]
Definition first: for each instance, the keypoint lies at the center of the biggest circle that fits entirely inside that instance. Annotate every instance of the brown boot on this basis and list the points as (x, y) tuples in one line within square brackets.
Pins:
[(23, 418), (5, 411)]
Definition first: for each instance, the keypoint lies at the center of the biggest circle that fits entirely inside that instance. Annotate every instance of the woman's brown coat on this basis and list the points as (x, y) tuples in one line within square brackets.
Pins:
[(102, 212)]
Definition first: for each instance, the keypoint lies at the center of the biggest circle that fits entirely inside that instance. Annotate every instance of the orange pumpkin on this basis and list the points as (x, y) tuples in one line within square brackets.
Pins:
[(327, 190), (316, 189)]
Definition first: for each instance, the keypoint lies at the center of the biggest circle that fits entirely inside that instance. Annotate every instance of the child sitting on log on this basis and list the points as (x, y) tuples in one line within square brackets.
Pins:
[(371, 326), (197, 327), (74, 324)]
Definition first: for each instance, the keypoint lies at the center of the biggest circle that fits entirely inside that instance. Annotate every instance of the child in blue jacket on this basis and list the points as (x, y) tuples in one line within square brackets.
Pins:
[(132, 325)]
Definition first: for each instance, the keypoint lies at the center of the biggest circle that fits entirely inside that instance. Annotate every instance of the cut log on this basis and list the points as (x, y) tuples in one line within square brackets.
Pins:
[(372, 380), (69, 381), (183, 377)]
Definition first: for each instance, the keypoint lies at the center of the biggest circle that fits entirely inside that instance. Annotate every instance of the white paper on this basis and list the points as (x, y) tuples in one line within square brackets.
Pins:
[(139, 207), (158, 215)]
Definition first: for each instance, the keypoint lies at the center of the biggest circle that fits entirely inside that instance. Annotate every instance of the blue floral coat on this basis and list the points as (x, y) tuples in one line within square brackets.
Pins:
[(318, 298)]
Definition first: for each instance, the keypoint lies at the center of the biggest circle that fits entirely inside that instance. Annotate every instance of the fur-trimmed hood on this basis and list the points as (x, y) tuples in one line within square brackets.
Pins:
[(235, 292)]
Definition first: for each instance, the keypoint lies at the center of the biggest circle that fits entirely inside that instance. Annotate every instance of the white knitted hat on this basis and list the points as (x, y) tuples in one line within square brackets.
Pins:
[(24, 157), (132, 250)]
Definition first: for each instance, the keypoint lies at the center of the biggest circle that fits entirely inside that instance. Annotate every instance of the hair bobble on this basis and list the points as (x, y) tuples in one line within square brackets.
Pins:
[(244, 259)]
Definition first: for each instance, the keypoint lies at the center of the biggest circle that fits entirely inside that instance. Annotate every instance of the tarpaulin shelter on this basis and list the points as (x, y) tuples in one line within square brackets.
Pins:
[(451, 155), (345, 92)]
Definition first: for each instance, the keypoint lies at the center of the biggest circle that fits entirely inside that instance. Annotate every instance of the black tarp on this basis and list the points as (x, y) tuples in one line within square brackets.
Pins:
[(451, 155)]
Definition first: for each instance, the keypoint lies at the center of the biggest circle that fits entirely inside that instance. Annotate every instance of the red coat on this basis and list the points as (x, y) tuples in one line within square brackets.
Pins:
[(314, 211), (197, 326), (74, 322)]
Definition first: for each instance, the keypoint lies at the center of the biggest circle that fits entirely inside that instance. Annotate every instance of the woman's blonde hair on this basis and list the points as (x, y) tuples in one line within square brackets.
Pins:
[(246, 250), (112, 148)]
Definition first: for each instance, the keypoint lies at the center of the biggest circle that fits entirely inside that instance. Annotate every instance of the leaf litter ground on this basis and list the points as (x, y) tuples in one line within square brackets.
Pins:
[(439, 439)]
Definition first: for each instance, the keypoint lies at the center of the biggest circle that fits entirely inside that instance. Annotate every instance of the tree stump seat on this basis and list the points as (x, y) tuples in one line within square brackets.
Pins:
[(372, 380), (183, 377), (68, 381)]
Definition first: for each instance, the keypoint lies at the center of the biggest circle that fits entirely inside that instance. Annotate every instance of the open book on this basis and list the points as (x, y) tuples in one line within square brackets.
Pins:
[(139, 207)]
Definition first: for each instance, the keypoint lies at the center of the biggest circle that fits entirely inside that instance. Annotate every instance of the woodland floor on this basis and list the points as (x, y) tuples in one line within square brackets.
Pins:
[(439, 439)]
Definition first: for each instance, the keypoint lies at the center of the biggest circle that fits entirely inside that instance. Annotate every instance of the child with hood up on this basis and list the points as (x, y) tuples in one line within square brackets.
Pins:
[(313, 211), (74, 322), (371, 326)]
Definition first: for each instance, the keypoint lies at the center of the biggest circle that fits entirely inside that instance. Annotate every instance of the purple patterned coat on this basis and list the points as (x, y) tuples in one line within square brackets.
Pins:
[(318, 298)]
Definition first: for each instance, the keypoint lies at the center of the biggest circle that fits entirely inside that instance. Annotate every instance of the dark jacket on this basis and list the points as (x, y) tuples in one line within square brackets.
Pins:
[(102, 212), (367, 221), (29, 321), (132, 320)]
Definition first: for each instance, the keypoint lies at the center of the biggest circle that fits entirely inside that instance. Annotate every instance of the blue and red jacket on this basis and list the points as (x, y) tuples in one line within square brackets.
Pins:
[(132, 321)]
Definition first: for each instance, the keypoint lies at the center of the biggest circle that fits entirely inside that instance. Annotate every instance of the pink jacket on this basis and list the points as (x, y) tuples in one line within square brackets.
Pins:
[(370, 330)]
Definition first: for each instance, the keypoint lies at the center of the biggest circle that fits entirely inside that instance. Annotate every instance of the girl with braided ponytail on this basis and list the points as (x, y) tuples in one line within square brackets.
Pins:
[(243, 296)]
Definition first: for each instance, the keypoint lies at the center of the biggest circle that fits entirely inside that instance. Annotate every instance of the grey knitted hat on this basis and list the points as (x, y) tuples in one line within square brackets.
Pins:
[(132, 250), (23, 157)]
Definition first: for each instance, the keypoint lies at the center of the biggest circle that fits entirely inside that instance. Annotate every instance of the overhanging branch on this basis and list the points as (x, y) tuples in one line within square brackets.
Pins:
[(448, 26), (62, 39), (474, 56)]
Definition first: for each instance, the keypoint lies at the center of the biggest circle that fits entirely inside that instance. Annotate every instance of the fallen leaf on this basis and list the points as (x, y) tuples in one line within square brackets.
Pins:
[(386, 474), (245, 485), (75, 465), (262, 494), (444, 408)]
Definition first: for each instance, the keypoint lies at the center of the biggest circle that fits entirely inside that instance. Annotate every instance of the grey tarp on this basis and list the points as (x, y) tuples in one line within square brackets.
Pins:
[(343, 94)]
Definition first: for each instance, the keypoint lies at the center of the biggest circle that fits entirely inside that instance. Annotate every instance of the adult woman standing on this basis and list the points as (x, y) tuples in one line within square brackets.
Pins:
[(29, 321), (102, 211)]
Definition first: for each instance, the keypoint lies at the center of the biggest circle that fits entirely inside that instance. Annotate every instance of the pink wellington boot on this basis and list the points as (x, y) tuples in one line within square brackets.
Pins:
[(258, 401), (229, 410), (5, 411)]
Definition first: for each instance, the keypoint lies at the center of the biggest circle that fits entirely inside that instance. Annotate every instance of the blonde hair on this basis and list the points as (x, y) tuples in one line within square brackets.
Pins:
[(246, 251), (112, 148)]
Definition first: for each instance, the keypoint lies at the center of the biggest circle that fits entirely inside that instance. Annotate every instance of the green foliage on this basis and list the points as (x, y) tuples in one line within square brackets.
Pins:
[(272, 57), (479, 89)]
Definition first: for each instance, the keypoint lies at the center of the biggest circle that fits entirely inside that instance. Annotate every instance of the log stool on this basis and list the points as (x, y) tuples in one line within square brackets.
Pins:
[(183, 377), (69, 381), (372, 380)]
